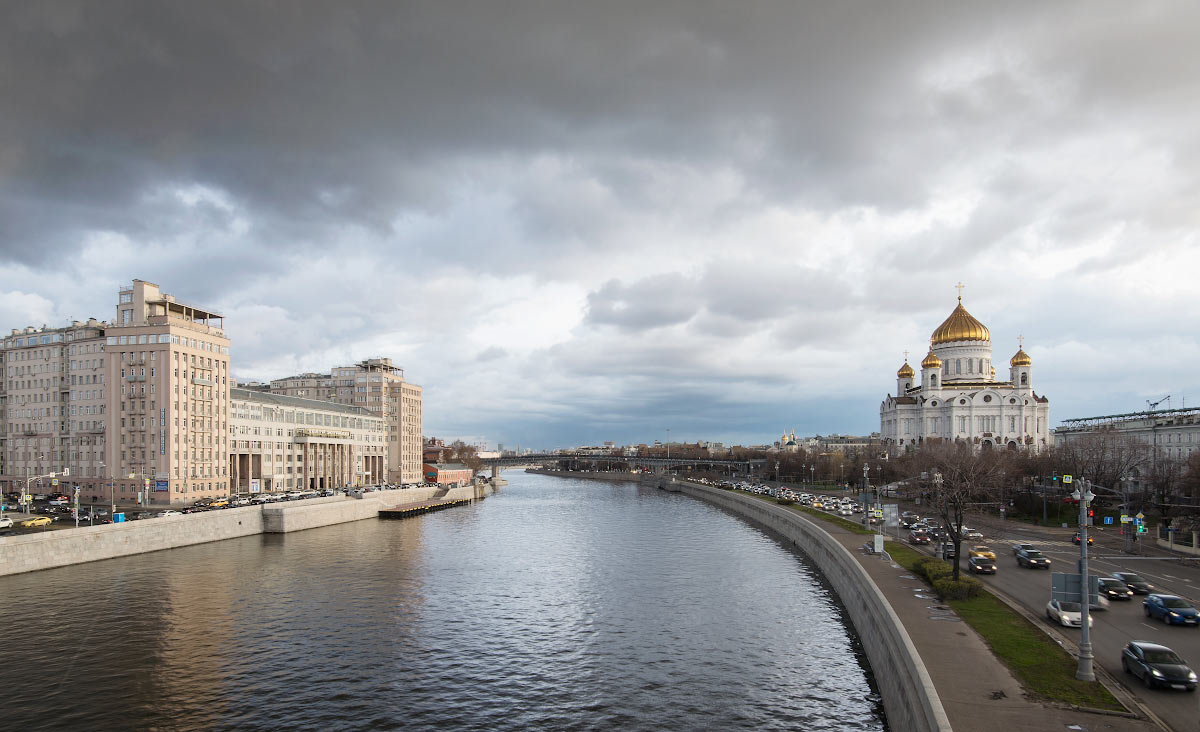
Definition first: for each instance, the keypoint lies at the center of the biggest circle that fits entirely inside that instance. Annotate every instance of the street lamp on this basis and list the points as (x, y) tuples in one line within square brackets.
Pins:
[(812, 473), (866, 509), (1084, 673)]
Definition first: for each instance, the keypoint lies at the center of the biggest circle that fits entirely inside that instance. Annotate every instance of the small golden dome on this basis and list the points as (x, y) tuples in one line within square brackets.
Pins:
[(1020, 358), (931, 361), (906, 371), (960, 326)]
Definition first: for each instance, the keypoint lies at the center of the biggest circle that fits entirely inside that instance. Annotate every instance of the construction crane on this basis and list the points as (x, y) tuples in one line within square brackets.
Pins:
[(1150, 406)]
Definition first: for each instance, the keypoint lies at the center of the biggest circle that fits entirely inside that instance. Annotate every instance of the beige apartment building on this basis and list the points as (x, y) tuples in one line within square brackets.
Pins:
[(52, 405), (282, 443), (379, 387), (167, 364)]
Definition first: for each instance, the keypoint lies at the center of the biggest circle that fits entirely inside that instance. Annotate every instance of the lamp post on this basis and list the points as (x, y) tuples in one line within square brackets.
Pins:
[(866, 509), (1084, 672)]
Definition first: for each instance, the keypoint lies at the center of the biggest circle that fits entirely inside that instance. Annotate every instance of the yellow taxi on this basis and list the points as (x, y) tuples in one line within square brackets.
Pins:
[(983, 552), (35, 521)]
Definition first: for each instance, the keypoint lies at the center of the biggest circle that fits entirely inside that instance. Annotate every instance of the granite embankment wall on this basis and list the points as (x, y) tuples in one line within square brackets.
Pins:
[(909, 697), (33, 552)]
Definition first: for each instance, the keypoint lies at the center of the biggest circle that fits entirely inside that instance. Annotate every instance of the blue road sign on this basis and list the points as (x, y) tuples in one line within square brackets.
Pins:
[(118, 518), (1108, 519)]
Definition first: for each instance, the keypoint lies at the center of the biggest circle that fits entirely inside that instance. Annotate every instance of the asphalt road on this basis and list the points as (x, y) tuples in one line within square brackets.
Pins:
[(1123, 621)]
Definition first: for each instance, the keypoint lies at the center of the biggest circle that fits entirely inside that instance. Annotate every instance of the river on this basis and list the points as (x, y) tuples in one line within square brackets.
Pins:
[(557, 604)]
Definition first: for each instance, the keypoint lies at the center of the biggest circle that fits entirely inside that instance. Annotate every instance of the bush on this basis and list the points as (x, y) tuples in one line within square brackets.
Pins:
[(964, 589), (784, 501), (933, 569)]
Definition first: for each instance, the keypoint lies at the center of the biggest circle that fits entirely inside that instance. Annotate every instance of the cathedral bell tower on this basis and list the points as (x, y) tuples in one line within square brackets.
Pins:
[(904, 377)]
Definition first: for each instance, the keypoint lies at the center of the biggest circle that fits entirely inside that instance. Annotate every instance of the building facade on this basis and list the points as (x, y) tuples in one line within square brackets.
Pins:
[(1166, 437), (448, 473), (280, 443), (958, 397), (379, 387)]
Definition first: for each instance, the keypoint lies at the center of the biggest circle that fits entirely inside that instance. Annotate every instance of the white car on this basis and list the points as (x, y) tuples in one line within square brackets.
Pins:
[(969, 533), (169, 512), (1066, 614), (6, 523)]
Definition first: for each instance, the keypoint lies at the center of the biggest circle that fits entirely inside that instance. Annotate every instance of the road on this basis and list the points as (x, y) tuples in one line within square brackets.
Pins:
[(1123, 621)]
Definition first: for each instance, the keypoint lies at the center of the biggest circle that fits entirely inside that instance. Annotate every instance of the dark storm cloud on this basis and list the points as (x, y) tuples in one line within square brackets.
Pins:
[(707, 198)]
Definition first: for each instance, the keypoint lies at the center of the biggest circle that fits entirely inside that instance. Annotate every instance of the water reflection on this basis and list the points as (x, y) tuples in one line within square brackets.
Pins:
[(557, 604)]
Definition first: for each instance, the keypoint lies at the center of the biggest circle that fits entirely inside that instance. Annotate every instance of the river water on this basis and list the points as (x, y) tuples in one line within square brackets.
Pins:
[(556, 604)]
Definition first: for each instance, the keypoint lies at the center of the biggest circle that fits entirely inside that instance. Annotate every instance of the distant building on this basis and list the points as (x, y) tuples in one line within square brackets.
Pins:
[(282, 443), (1166, 434), (958, 397), (448, 473), (378, 386)]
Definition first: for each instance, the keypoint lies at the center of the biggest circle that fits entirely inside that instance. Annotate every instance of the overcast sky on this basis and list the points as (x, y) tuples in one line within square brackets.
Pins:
[(577, 222)]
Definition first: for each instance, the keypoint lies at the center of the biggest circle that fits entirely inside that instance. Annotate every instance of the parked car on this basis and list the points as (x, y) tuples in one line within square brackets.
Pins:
[(1115, 589), (1066, 614), (1157, 665), (1171, 609), (981, 565), (169, 512), (1077, 538), (1134, 582), (1033, 559)]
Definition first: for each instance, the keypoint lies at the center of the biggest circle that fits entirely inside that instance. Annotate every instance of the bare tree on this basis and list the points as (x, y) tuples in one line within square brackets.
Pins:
[(961, 476), (1103, 457)]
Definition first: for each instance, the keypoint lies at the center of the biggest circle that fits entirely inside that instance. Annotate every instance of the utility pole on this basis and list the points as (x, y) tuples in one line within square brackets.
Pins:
[(1084, 672)]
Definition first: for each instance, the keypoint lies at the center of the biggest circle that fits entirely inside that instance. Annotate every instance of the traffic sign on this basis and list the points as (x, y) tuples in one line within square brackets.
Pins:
[(1125, 518), (1066, 480), (54, 481), (1108, 519), (1140, 516)]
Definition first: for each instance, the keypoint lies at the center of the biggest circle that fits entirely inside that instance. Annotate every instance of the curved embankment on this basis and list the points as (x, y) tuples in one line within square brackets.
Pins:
[(910, 700)]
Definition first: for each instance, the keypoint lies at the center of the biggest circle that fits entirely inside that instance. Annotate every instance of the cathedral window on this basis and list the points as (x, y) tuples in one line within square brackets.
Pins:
[(1024, 379), (933, 382), (958, 365), (970, 365)]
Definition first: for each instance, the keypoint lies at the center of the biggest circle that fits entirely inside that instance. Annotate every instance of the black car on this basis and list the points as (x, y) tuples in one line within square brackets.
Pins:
[(1157, 665), (981, 565), (1134, 582), (1115, 589), (1032, 559)]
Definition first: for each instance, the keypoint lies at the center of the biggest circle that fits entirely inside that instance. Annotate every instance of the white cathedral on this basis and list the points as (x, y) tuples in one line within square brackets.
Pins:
[(959, 398)]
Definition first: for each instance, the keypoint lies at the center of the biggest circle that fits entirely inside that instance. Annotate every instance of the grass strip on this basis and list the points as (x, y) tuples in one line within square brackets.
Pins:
[(1042, 666)]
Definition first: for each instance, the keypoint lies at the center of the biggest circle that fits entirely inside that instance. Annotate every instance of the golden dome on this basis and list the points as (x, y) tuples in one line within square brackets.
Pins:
[(1020, 358), (906, 371), (931, 361), (960, 326)]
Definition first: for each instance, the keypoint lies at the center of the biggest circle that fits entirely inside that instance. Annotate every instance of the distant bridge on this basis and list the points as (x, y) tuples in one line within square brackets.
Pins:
[(654, 464)]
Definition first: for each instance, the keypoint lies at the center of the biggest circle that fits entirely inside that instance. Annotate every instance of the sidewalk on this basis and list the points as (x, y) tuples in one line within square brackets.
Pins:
[(978, 692)]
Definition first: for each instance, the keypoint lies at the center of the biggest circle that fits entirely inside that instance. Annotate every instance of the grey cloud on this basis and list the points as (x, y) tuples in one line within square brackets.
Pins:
[(653, 302)]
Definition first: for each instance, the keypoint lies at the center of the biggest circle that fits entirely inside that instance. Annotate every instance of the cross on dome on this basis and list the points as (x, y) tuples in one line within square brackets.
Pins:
[(959, 287)]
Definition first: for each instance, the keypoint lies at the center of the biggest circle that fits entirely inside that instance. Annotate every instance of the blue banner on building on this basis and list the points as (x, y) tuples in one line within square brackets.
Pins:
[(161, 486)]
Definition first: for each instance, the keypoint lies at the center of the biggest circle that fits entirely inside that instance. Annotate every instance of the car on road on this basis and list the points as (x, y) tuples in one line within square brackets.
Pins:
[(168, 512), (6, 523), (918, 537), (1033, 559), (945, 550), (1078, 538), (1115, 589), (33, 522), (1018, 547), (1066, 614), (981, 565), (1171, 609), (1157, 665), (979, 550), (972, 534), (1134, 582)]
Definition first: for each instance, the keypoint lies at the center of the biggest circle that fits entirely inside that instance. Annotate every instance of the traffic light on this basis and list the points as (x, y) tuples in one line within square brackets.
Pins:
[(1141, 528), (1091, 513)]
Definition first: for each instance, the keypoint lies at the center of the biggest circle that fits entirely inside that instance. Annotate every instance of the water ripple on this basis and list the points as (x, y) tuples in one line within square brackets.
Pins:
[(556, 604)]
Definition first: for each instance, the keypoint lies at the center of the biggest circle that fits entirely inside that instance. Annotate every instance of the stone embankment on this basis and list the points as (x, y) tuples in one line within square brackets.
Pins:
[(32, 552), (910, 699)]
